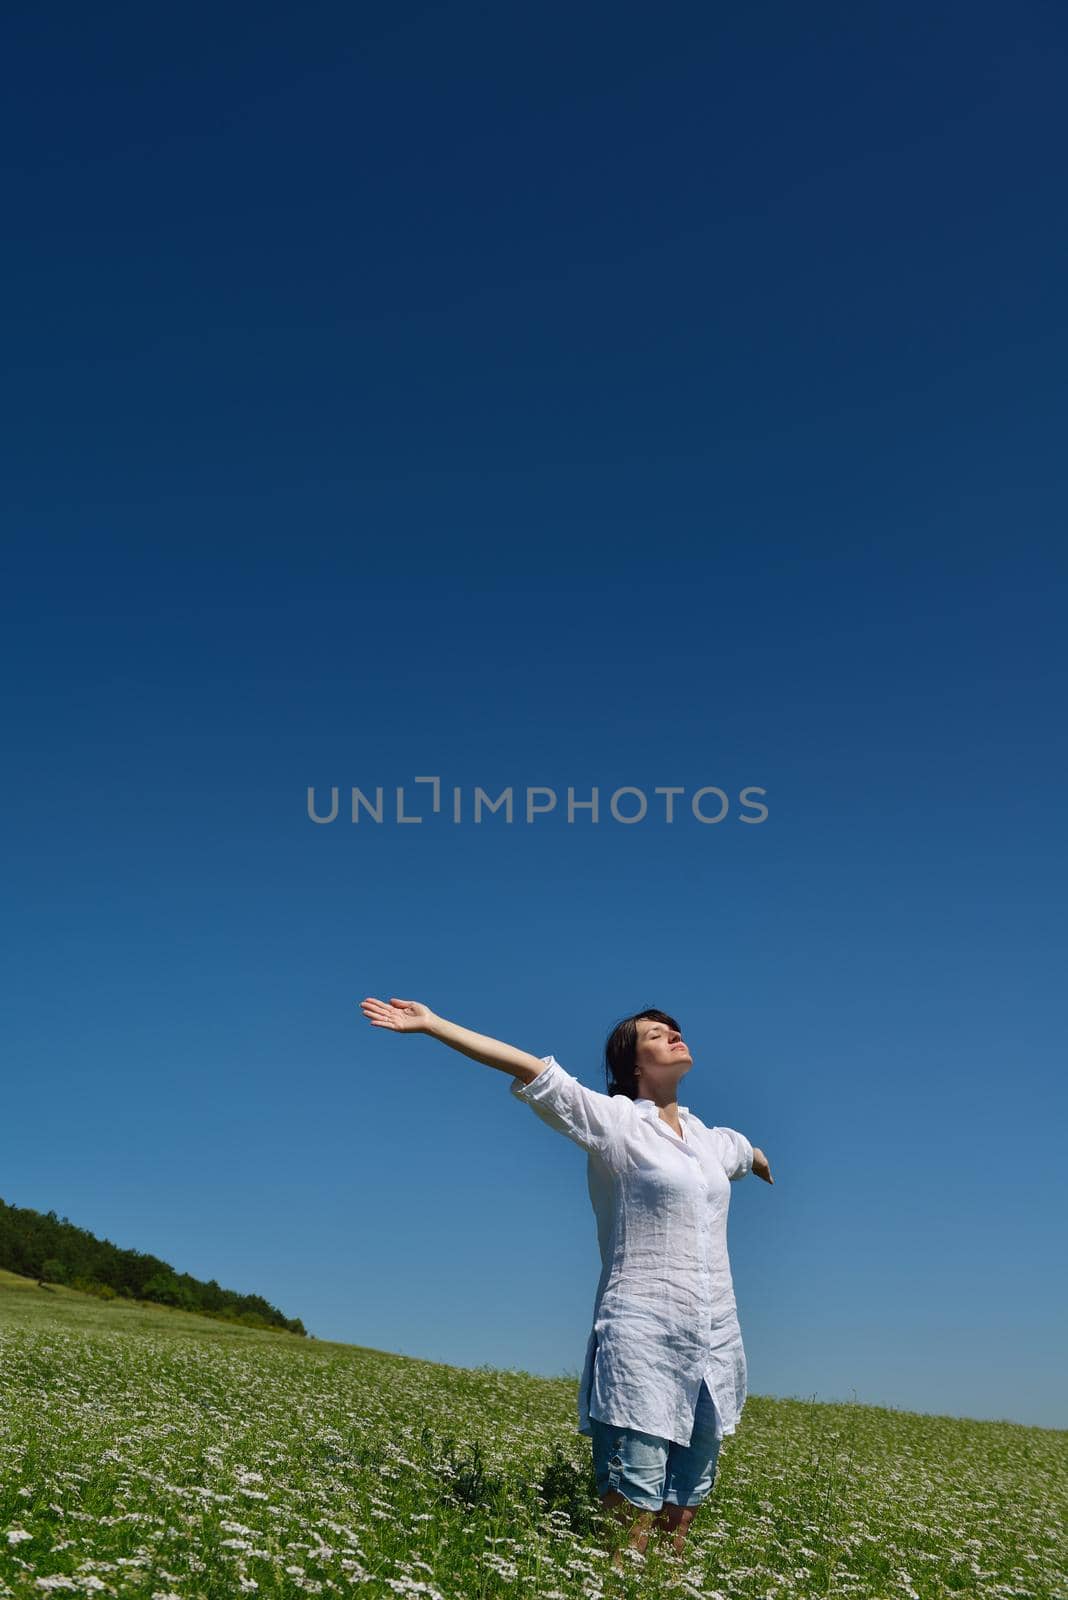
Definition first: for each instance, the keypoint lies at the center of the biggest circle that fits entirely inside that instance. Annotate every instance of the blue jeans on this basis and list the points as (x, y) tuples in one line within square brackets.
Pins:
[(650, 1471)]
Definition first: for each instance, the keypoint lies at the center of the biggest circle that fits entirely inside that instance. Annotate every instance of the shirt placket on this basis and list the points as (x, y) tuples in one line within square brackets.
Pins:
[(706, 1264)]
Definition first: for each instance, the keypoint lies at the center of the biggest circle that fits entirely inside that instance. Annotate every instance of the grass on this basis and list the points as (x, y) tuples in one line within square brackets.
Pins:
[(156, 1453)]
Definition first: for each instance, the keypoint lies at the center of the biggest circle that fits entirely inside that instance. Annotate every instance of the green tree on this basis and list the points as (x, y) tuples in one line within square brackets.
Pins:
[(164, 1288)]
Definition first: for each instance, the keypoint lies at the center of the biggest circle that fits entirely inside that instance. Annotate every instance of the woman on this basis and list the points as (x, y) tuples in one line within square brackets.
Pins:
[(664, 1379)]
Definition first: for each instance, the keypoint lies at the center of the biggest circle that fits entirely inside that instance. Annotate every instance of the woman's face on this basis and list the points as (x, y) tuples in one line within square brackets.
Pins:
[(662, 1058)]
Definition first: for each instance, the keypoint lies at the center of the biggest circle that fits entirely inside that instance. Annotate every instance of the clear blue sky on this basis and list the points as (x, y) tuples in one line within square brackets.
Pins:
[(545, 397)]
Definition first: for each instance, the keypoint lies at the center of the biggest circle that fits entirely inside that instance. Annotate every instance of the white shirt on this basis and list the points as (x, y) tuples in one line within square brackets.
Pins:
[(664, 1314)]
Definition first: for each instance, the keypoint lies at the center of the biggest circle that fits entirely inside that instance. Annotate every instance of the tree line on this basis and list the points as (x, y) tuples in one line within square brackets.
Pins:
[(53, 1250)]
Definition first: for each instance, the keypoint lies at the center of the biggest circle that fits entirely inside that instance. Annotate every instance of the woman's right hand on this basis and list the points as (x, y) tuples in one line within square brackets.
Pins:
[(403, 1016)]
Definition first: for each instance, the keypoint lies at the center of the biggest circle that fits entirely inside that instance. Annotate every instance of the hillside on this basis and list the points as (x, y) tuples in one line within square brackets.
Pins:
[(42, 1246), (153, 1452)]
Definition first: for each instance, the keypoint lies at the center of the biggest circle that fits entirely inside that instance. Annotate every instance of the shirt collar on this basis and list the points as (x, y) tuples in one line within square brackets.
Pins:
[(647, 1105)]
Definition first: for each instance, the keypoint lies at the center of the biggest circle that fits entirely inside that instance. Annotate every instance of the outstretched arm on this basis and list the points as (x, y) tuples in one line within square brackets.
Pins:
[(409, 1016), (760, 1166)]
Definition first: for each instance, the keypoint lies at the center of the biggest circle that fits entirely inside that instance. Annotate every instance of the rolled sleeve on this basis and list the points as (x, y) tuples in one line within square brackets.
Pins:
[(736, 1153), (580, 1114)]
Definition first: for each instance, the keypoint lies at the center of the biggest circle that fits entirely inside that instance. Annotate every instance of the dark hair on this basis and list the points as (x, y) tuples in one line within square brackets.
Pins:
[(621, 1052)]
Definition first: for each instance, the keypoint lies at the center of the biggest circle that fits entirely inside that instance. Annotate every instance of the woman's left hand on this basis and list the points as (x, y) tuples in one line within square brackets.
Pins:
[(760, 1166)]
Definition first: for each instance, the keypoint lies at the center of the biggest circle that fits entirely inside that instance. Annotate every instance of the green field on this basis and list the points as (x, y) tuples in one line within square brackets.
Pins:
[(147, 1452)]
